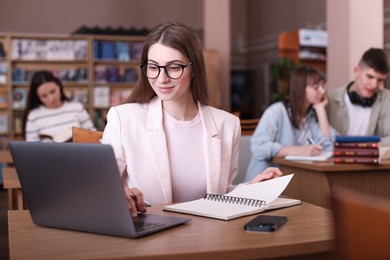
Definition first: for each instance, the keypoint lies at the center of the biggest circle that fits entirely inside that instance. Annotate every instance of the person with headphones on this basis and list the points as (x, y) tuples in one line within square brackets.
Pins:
[(362, 107)]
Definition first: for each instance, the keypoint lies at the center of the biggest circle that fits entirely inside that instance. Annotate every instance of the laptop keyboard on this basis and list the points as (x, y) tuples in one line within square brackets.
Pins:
[(143, 226)]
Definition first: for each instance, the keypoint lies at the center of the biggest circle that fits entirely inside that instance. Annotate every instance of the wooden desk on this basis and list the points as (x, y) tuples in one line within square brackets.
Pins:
[(312, 180), (308, 231), (12, 184), (5, 157)]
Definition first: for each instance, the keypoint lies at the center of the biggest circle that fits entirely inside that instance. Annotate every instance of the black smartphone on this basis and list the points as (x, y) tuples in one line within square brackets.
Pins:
[(265, 223)]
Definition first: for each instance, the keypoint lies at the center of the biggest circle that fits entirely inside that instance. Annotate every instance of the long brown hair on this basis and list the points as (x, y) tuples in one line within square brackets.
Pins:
[(33, 101), (300, 78), (185, 40)]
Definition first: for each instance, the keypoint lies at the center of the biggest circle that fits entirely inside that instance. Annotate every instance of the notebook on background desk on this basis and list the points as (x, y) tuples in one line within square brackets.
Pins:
[(77, 186)]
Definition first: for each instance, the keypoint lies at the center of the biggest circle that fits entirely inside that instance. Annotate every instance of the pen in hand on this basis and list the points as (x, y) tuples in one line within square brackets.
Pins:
[(134, 197), (311, 141)]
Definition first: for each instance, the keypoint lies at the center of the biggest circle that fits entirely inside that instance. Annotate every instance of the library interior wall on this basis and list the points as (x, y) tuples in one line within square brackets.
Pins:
[(255, 25), (63, 17)]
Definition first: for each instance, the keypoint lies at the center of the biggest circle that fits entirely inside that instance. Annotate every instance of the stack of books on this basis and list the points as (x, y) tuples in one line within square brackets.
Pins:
[(356, 149)]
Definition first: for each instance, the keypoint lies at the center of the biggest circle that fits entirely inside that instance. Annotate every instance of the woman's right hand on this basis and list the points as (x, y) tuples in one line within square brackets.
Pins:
[(311, 150), (135, 200)]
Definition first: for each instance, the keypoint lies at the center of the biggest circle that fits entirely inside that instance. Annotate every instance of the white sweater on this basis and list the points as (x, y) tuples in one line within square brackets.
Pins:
[(56, 121)]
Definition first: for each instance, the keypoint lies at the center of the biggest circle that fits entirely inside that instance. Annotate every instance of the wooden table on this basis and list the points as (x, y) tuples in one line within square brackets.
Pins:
[(12, 184), (308, 231), (5, 157), (312, 180)]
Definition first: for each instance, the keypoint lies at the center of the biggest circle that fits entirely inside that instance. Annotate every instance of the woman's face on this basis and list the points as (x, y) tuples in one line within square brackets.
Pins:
[(315, 92), (50, 95), (166, 88)]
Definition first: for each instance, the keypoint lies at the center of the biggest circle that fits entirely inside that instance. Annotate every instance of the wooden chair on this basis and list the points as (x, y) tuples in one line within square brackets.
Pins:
[(248, 126), (80, 135), (362, 225)]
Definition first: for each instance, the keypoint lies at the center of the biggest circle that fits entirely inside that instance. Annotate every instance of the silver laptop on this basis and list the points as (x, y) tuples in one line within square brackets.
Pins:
[(77, 186)]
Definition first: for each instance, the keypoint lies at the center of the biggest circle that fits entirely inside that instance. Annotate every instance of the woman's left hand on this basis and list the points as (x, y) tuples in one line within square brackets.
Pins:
[(269, 173)]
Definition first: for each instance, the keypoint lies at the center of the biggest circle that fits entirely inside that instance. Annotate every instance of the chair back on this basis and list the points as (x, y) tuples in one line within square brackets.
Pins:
[(248, 126), (80, 135), (362, 225)]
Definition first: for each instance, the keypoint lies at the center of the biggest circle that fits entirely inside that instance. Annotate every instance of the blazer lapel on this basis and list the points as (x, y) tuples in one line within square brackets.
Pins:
[(212, 148), (157, 140)]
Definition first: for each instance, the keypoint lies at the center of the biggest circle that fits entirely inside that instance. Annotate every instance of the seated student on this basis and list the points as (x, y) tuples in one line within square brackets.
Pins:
[(49, 114), (362, 107), (289, 127), (170, 143)]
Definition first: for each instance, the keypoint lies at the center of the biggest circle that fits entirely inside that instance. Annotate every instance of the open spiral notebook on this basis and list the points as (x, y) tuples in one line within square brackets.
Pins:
[(244, 200)]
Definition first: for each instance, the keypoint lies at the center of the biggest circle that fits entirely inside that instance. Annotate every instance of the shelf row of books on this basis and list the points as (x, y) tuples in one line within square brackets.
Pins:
[(356, 149), (79, 75), (28, 49), (105, 73), (104, 96), (3, 72), (117, 50)]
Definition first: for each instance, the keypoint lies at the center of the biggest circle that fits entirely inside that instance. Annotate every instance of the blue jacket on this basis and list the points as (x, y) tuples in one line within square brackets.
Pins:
[(276, 131)]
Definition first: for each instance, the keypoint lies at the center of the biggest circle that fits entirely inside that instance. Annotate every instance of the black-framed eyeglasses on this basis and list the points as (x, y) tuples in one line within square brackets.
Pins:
[(173, 71)]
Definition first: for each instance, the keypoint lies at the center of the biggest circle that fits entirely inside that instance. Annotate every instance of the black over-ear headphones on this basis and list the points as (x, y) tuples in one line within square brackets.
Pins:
[(357, 100)]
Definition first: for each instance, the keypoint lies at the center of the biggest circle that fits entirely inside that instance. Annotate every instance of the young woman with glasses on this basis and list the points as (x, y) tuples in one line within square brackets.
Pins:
[(169, 144), (297, 126)]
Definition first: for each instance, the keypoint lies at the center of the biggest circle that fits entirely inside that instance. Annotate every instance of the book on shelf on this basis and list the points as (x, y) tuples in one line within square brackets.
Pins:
[(117, 96), (19, 98), (107, 50), (363, 160), (135, 50), (322, 157), (113, 74), (101, 96), (358, 152), (3, 72), (357, 139), (243, 201), (367, 145), (122, 51), (3, 122)]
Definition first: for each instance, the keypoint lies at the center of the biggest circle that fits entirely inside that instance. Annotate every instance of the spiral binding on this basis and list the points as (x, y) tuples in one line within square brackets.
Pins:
[(235, 200)]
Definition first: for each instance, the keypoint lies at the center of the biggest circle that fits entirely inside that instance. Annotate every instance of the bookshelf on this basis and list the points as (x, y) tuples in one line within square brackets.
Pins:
[(78, 60), (306, 46), (67, 56), (115, 66), (99, 71), (4, 92)]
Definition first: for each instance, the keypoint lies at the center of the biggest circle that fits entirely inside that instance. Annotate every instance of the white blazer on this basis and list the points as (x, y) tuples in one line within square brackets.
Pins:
[(137, 136)]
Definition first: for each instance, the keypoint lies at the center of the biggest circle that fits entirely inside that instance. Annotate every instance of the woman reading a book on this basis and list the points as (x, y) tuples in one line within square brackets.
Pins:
[(49, 114), (169, 144), (297, 126)]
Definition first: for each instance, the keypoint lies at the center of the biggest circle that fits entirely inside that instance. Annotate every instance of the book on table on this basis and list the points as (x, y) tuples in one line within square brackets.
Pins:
[(359, 152), (246, 199), (354, 159), (357, 138)]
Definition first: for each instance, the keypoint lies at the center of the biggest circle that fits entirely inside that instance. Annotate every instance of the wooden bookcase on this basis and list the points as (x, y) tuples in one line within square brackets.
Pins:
[(99, 72), (4, 90), (75, 60), (304, 46), (115, 68)]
